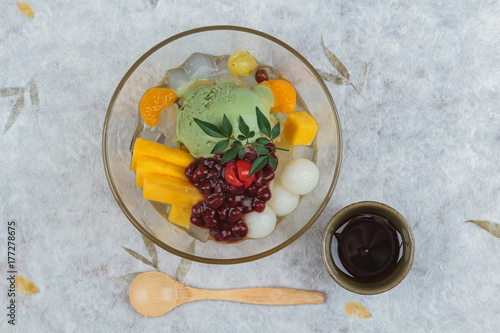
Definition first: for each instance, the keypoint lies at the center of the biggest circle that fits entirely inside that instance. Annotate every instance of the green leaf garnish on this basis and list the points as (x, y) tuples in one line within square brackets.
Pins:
[(263, 141), (258, 164), (263, 122), (227, 128), (265, 146), (261, 149), (276, 131), (241, 154), (272, 162), (229, 155), (220, 146), (244, 129), (210, 129)]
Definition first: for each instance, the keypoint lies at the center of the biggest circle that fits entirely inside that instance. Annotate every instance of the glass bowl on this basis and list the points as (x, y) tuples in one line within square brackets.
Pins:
[(148, 71)]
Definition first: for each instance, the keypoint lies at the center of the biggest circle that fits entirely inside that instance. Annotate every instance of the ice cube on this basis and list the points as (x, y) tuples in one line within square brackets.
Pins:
[(200, 234), (200, 66), (167, 123), (304, 152), (177, 78), (250, 79), (222, 64)]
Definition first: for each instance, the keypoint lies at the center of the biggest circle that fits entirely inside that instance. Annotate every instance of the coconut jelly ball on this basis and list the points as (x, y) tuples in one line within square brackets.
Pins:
[(260, 225), (282, 201), (299, 176)]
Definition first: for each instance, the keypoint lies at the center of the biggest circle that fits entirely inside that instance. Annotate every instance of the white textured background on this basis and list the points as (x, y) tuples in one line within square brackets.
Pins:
[(426, 141)]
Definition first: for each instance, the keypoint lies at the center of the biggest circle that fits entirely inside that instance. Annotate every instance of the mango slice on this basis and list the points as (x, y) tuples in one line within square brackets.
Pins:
[(146, 164), (180, 216), (170, 190), (143, 147), (300, 128)]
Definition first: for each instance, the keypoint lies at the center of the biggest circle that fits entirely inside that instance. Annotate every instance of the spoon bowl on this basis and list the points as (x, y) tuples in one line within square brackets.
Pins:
[(153, 294)]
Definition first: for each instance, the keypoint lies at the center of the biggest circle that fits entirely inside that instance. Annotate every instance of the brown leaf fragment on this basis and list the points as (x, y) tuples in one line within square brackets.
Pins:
[(364, 75), (129, 277), (25, 286), (491, 227), (184, 265), (138, 256), (331, 77), (6, 92), (34, 97), (16, 110), (25, 9), (336, 63), (150, 246), (356, 310)]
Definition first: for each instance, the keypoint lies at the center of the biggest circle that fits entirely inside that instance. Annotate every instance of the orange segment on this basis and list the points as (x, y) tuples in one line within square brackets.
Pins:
[(285, 98), (153, 101)]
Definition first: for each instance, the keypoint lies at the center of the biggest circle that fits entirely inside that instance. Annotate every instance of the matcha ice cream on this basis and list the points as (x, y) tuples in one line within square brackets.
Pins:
[(210, 104)]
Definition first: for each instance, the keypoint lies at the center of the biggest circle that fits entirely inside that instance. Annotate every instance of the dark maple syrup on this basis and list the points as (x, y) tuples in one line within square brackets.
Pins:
[(367, 248)]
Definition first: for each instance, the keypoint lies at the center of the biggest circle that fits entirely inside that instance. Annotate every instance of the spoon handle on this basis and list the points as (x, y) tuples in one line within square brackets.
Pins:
[(269, 296)]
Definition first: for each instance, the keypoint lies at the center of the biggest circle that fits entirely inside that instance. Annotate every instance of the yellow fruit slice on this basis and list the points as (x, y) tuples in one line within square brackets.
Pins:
[(285, 97), (300, 128), (170, 190), (143, 147), (180, 216), (26, 286), (153, 101), (146, 164)]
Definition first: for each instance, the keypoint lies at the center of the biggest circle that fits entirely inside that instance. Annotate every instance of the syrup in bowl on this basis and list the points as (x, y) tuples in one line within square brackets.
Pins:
[(366, 248)]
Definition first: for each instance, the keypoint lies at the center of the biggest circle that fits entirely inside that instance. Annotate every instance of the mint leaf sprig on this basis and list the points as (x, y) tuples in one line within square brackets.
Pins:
[(261, 144)]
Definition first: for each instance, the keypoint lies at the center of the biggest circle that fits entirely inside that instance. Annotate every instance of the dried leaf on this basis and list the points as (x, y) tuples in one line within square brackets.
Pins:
[(339, 66), (34, 97), (364, 75), (154, 3), (356, 310), (129, 277), (150, 246), (26, 286), (16, 110), (25, 9), (138, 256), (331, 77), (492, 228), (6, 92), (184, 265)]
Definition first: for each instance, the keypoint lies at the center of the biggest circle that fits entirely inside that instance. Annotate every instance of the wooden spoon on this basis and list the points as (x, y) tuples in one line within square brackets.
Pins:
[(154, 294)]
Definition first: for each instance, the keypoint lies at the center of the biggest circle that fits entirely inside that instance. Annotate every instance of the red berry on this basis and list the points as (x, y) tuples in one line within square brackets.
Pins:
[(205, 187), (235, 214), (259, 205), (197, 209), (215, 201)]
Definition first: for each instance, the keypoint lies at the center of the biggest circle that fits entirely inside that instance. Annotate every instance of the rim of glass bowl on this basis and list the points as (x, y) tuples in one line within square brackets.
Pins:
[(191, 256)]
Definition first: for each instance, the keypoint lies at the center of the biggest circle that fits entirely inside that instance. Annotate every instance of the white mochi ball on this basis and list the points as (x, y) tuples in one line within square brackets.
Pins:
[(260, 225), (283, 202), (300, 176)]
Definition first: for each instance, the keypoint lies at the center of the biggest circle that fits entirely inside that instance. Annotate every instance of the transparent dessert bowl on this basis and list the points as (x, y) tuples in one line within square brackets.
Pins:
[(148, 71)]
